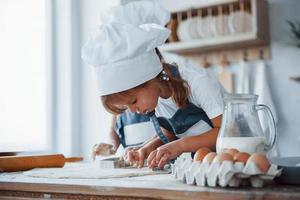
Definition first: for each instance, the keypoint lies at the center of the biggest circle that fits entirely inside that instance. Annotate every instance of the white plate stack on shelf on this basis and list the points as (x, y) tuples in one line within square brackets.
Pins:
[(215, 170), (220, 24)]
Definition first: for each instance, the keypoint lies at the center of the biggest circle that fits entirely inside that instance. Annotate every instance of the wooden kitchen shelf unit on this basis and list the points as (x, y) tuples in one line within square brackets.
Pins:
[(192, 4), (259, 36)]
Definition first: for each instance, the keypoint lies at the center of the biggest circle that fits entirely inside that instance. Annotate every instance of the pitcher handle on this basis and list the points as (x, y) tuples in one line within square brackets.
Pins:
[(271, 124)]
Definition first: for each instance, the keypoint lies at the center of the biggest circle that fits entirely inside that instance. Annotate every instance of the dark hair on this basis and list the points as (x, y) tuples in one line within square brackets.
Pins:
[(179, 89)]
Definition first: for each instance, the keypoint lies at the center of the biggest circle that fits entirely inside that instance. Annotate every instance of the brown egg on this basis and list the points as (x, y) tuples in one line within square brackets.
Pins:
[(201, 153), (241, 157), (231, 151), (260, 160), (223, 157), (209, 157)]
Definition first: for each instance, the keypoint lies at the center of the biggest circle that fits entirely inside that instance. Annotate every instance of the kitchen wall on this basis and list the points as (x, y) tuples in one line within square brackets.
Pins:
[(95, 120), (285, 62)]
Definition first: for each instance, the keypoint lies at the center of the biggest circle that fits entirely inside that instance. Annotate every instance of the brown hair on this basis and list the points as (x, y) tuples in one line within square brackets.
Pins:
[(179, 90)]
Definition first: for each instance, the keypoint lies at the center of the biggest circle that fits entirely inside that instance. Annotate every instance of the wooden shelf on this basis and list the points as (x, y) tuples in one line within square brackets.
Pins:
[(295, 78), (181, 6), (258, 37), (208, 43)]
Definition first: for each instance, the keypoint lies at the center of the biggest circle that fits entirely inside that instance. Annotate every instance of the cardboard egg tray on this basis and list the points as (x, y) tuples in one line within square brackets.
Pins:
[(225, 174)]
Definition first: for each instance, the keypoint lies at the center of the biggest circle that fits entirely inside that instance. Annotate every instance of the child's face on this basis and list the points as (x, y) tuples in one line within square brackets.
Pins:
[(142, 99)]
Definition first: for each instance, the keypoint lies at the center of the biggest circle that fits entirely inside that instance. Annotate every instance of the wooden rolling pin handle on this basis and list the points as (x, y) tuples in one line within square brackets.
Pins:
[(73, 159), (22, 163)]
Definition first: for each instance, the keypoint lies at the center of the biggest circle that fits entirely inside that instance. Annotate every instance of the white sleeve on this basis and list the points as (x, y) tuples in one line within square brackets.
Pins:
[(207, 94)]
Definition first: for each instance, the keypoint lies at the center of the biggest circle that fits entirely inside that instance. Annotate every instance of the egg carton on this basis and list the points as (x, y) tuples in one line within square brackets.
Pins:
[(225, 174)]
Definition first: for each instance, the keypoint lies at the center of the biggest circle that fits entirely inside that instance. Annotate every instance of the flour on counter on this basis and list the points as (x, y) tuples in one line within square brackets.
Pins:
[(90, 171)]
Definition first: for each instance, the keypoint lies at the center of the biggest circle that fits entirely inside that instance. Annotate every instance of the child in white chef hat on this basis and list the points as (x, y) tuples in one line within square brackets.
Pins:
[(187, 102)]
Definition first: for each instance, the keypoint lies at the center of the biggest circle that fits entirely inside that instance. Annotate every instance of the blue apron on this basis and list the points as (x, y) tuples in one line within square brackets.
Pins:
[(182, 120), (125, 119)]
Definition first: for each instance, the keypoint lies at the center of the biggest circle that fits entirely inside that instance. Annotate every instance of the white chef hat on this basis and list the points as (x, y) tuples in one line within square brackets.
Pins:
[(123, 48)]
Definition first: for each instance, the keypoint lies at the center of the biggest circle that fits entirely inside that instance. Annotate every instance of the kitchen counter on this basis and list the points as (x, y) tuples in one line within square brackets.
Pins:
[(163, 186)]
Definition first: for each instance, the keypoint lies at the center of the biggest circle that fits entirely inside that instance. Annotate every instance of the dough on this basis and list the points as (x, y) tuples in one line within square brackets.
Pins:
[(90, 171)]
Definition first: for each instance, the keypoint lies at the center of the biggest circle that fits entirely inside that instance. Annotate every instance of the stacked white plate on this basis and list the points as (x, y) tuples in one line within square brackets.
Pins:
[(213, 26)]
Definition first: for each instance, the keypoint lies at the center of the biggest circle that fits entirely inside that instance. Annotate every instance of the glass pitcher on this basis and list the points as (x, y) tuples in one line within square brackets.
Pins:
[(241, 127)]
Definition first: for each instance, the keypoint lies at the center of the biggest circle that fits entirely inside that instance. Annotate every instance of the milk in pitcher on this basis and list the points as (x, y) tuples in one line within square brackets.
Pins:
[(243, 144)]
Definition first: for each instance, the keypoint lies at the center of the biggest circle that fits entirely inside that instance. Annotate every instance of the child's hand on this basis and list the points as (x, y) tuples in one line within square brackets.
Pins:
[(136, 157), (127, 149), (161, 156), (103, 149)]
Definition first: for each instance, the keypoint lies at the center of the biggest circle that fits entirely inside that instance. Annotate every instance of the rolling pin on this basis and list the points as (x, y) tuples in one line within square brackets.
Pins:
[(22, 163)]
